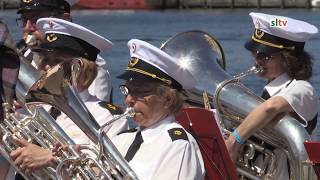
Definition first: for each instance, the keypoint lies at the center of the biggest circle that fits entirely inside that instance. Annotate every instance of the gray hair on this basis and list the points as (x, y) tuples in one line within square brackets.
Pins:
[(178, 98)]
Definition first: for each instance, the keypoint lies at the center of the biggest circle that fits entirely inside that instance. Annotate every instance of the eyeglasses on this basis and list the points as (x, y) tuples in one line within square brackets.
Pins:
[(136, 91)]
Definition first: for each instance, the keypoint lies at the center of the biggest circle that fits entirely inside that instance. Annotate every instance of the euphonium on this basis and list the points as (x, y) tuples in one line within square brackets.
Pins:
[(38, 126), (35, 125), (201, 54), (54, 88), (13, 127)]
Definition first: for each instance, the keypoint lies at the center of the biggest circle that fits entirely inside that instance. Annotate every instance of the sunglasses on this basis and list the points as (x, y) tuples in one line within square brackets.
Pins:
[(263, 57), (136, 91)]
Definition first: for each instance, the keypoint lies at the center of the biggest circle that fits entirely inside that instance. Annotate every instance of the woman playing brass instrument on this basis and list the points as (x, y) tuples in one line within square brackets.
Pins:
[(68, 43), (159, 148), (287, 67)]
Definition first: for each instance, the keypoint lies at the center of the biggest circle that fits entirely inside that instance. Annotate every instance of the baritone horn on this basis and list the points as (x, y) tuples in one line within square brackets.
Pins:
[(11, 126), (40, 127), (203, 54), (54, 88), (35, 125)]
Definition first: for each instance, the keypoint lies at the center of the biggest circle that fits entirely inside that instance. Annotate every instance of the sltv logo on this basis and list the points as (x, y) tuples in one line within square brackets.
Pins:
[(279, 23)]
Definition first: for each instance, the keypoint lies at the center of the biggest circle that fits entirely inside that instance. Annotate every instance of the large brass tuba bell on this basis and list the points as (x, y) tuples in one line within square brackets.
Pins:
[(201, 52)]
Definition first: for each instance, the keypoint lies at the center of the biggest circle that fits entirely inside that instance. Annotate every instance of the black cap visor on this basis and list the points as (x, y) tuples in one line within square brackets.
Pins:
[(43, 50), (135, 76), (141, 70), (262, 42), (68, 44), (256, 47), (44, 5), (35, 8)]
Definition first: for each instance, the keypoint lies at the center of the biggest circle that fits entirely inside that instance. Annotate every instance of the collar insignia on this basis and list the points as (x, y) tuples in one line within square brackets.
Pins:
[(51, 37), (177, 132), (111, 106), (113, 109)]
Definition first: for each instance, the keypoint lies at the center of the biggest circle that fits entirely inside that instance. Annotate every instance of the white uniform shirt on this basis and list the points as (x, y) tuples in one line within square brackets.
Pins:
[(101, 86), (298, 93), (101, 115), (303, 100), (159, 157)]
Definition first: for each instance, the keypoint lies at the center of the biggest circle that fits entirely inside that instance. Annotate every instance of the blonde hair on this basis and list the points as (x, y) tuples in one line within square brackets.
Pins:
[(87, 73)]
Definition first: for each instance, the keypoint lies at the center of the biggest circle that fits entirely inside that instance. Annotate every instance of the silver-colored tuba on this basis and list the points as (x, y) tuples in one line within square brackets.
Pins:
[(203, 55)]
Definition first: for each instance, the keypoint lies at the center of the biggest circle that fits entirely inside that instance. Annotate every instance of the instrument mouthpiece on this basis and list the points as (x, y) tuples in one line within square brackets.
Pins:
[(257, 69), (130, 111), (31, 40)]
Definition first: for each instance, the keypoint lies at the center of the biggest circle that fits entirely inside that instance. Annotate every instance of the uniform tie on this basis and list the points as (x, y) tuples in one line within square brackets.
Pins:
[(19, 177), (134, 147), (54, 112), (265, 95)]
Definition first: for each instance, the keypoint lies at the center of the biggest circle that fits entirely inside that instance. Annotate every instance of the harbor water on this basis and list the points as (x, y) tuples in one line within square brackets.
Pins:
[(230, 27)]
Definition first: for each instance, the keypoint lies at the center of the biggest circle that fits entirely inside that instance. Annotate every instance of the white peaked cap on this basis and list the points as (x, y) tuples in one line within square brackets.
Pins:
[(154, 63), (60, 26), (294, 30)]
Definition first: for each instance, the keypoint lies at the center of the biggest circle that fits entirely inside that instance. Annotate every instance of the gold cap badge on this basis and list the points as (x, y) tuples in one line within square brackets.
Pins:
[(51, 37), (258, 33), (133, 61), (26, 1)]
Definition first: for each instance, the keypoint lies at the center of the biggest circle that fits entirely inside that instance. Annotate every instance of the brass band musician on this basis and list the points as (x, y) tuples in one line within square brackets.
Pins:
[(66, 42), (279, 49), (159, 148), (30, 12)]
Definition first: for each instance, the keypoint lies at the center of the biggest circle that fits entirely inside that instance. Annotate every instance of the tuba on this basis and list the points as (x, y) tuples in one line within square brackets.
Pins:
[(233, 102)]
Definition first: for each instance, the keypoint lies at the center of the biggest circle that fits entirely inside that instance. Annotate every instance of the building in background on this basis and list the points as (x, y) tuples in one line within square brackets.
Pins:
[(164, 4)]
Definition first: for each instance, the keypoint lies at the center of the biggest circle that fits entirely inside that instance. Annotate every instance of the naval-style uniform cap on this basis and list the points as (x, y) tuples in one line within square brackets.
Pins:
[(46, 5), (151, 63), (62, 35), (276, 33)]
